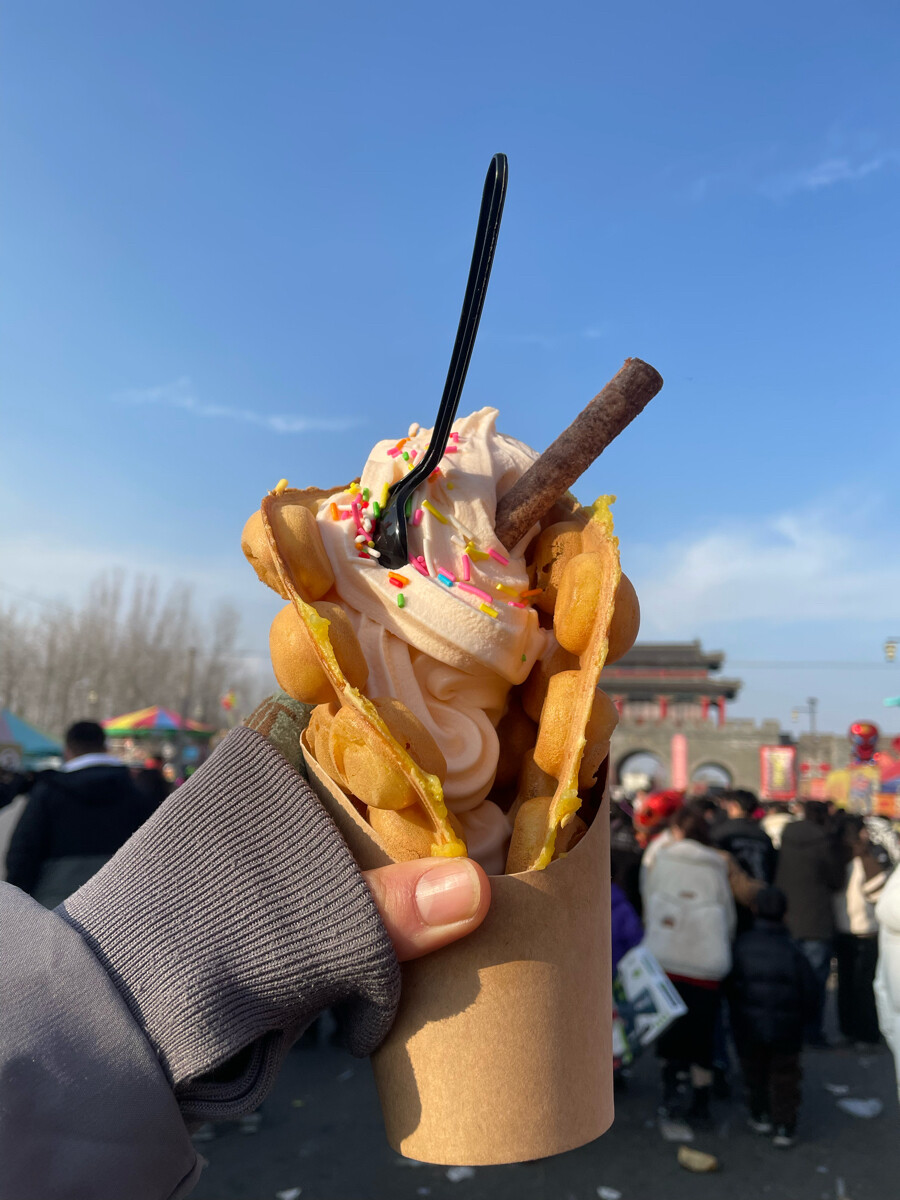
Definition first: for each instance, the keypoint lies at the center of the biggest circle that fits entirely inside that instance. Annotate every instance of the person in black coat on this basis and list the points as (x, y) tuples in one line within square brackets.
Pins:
[(810, 870), (625, 854), (772, 993), (743, 836), (75, 820), (14, 784), (151, 781)]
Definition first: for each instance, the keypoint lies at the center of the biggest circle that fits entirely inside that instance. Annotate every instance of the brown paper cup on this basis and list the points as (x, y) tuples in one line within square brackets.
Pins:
[(502, 1047)]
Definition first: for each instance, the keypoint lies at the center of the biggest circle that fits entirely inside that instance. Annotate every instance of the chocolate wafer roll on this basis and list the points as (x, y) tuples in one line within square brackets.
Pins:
[(611, 410)]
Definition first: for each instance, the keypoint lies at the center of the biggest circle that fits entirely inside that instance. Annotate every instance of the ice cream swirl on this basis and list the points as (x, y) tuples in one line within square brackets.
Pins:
[(451, 632)]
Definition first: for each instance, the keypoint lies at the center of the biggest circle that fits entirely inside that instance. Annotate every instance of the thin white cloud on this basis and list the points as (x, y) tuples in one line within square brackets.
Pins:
[(545, 340), (802, 566), (180, 394), (552, 341), (827, 173), (701, 187), (843, 157)]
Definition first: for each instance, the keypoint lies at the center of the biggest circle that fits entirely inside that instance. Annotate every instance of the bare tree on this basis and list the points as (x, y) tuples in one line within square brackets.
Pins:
[(125, 647)]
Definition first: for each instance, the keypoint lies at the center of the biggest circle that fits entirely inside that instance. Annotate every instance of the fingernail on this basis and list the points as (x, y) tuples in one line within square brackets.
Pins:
[(448, 893)]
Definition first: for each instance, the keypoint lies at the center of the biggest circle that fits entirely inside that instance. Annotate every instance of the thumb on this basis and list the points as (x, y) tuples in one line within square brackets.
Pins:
[(426, 904)]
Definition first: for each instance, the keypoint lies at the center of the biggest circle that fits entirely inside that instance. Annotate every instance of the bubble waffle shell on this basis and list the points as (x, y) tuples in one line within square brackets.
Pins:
[(582, 620)]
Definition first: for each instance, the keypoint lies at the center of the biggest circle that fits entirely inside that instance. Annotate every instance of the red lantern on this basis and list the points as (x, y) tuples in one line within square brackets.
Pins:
[(804, 768), (825, 767)]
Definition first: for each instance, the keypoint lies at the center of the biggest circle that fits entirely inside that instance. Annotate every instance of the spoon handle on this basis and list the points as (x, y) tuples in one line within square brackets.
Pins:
[(473, 302), (390, 535), (489, 227)]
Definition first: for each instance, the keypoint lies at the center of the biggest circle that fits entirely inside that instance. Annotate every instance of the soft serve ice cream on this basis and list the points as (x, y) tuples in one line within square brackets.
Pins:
[(450, 633)]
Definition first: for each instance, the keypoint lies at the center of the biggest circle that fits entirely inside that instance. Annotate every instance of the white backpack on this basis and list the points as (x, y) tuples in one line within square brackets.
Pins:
[(689, 913)]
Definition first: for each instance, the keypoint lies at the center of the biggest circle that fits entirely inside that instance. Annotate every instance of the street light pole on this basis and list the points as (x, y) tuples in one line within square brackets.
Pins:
[(810, 707)]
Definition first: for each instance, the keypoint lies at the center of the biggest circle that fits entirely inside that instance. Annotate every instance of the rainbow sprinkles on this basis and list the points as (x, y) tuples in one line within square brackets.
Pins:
[(363, 510)]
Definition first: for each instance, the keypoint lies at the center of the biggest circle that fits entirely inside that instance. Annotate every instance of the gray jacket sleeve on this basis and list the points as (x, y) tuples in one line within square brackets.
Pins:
[(192, 961), (85, 1108)]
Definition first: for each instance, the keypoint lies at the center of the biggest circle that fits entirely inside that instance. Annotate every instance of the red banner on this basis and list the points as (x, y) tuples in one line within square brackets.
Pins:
[(777, 772)]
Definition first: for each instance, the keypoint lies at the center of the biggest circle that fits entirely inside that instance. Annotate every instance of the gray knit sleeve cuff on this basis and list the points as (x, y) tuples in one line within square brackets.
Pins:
[(230, 920)]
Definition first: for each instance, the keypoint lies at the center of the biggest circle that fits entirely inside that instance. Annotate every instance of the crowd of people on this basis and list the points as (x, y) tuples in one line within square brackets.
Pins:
[(748, 911)]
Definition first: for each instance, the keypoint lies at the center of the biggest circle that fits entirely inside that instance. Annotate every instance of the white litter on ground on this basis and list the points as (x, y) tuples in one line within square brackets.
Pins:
[(860, 1108), (423, 1191), (606, 1193), (837, 1089), (288, 1194), (458, 1174), (676, 1131)]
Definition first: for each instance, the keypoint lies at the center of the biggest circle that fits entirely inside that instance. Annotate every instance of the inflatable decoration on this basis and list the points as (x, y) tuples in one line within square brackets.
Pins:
[(870, 783)]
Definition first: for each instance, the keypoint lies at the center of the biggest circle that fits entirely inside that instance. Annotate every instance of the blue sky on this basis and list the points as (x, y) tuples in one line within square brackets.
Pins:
[(236, 244)]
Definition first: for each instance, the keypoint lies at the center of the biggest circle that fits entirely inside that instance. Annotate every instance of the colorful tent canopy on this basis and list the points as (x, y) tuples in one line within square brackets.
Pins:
[(147, 722), (34, 744)]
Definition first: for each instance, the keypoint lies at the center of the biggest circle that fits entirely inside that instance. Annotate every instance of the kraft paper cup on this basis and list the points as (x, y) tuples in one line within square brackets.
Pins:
[(502, 1047)]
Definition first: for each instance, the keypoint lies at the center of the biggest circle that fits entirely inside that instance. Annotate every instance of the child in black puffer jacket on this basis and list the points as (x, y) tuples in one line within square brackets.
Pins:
[(772, 992)]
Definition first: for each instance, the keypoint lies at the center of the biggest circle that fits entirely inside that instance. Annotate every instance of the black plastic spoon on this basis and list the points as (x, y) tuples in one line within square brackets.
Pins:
[(390, 533)]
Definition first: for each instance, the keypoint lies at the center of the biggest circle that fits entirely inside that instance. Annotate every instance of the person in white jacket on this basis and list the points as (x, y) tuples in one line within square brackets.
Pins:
[(887, 976), (856, 932), (689, 918), (777, 816)]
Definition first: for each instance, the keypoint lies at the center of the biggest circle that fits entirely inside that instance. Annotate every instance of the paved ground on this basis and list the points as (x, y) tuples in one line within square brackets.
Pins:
[(322, 1133)]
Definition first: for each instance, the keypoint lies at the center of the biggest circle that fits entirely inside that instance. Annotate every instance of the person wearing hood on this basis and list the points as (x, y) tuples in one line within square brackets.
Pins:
[(75, 820), (689, 918), (810, 870)]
